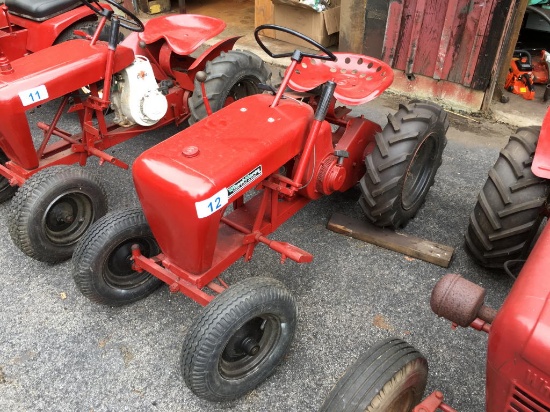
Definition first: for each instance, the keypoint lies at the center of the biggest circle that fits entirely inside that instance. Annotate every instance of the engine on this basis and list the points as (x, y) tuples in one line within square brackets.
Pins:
[(136, 97)]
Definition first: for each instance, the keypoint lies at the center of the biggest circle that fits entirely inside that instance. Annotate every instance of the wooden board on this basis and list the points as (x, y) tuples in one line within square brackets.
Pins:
[(263, 14), (415, 247)]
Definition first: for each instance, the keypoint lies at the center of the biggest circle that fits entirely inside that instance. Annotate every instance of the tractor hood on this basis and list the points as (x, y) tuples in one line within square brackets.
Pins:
[(185, 182)]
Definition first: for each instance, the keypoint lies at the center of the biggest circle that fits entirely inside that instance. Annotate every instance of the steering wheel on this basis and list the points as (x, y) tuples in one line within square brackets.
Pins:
[(132, 24), (328, 54)]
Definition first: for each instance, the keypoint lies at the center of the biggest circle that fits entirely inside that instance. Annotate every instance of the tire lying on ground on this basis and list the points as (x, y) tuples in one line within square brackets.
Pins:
[(402, 167), (510, 206), (230, 77)]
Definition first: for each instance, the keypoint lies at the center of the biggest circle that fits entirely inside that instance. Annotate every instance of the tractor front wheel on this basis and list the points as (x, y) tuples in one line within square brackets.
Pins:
[(7, 191), (102, 261), (390, 376), (230, 77), (402, 167), (53, 209), (511, 205), (239, 339)]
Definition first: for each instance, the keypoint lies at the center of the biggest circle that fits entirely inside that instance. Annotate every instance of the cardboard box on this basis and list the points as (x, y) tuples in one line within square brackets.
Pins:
[(323, 27)]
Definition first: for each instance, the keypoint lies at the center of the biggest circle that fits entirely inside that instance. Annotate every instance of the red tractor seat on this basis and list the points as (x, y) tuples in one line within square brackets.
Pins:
[(184, 33), (40, 10)]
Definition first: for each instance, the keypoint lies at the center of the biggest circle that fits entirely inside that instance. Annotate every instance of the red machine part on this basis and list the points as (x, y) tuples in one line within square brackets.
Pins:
[(520, 78), (540, 68), (518, 360), (541, 161), (20, 36)]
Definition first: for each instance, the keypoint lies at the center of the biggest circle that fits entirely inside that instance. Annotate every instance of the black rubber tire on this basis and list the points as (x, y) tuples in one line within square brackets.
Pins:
[(390, 377), (102, 268), (230, 76), (53, 209), (403, 165), (88, 27), (214, 364), (7, 191), (510, 206)]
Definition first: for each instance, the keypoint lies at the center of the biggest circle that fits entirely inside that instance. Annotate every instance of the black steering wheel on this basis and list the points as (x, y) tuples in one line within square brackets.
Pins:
[(328, 54), (132, 24)]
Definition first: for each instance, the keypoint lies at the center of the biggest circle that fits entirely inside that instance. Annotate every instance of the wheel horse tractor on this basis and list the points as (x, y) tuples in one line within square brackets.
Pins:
[(214, 191), (117, 91), (505, 223)]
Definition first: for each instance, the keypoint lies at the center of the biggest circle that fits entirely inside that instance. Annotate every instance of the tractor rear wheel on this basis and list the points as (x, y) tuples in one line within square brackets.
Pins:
[(53, 209), (389, 377), (239, 339), (7, 191), (230, 77), (402, 167), (102, 265), (510, 207), (88, 27)]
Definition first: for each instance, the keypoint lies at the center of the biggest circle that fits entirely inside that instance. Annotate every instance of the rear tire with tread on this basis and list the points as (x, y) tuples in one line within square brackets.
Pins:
[(390, 376), (510, 206), (230, 76), (402, 167)]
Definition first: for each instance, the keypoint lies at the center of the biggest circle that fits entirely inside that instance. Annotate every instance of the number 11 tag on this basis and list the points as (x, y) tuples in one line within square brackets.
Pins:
[(34, 95)]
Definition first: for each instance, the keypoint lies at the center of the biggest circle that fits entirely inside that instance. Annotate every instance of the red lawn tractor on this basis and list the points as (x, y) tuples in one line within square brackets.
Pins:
[(506, 220), (27, 26), (117, 91), (211, 193)]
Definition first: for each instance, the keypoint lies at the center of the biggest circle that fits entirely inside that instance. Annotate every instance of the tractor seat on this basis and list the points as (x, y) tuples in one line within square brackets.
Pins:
[(184, 33), (40, 10), (359, 79)]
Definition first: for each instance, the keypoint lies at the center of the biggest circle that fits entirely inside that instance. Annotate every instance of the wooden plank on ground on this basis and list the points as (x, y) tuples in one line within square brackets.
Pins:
[(399, 242)]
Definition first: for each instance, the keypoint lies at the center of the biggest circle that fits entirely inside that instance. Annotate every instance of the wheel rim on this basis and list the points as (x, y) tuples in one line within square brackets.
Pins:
[(119, 272), (418, 175), (246, 86), (404, 402), (68, 217), (250, 346)]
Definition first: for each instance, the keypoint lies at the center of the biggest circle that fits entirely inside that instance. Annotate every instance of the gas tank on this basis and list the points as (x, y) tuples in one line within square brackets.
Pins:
[(185, 182)]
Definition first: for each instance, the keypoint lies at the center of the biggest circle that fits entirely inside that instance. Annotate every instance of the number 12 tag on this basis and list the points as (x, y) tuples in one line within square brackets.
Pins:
[(34, 95), (212, 204)]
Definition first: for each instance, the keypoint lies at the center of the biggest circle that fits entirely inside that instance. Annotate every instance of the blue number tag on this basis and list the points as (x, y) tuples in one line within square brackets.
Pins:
[(34, 95), (212, 204)]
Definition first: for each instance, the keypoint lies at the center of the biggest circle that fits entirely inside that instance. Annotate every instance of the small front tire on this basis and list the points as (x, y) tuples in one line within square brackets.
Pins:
[(102, 262), (239, 339), (390, 377), (52, 211)]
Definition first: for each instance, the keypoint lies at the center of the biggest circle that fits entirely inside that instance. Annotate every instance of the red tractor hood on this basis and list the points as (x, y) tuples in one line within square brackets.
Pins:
[(519, 341), (185, 182)]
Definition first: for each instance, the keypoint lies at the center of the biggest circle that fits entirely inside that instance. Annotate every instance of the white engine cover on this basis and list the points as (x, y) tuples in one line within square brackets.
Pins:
[(137, 98)]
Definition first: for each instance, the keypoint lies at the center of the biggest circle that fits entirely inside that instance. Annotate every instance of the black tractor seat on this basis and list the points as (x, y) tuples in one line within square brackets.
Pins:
[(40, 10)]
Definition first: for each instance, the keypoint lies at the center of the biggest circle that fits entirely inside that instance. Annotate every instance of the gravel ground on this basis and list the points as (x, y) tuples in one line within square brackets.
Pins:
[(61, 352)]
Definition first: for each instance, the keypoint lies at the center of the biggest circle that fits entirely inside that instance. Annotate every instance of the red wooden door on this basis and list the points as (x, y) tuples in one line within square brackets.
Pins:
[(452, 40)]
